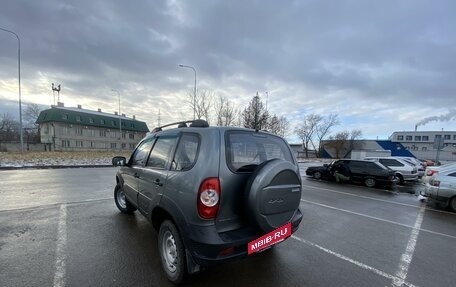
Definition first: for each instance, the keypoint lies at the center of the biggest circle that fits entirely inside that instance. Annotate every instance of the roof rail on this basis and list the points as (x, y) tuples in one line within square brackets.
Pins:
[(183, 124)]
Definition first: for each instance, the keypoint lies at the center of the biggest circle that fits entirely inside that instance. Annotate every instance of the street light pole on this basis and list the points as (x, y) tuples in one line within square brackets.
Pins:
[(19, 77), (120, 123), (194, 89)]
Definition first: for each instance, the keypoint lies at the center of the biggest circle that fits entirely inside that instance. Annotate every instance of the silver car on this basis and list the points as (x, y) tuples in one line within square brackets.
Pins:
[(442, 187), (404, 171)]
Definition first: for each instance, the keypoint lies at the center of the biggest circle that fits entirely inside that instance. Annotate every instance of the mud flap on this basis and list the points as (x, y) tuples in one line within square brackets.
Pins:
[(192, 266)]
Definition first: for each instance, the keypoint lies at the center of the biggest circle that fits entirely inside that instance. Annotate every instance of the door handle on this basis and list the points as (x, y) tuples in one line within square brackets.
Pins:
[(136, 175), (157, 182)]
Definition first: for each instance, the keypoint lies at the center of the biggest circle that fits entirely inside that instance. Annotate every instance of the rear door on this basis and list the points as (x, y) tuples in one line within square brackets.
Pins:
[(152, 177)]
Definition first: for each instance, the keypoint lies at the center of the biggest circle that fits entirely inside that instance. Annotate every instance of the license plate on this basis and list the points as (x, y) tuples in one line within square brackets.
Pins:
[(269, 239)]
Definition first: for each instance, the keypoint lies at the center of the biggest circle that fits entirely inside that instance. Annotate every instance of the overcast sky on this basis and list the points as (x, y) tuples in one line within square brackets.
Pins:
[(383, 66)]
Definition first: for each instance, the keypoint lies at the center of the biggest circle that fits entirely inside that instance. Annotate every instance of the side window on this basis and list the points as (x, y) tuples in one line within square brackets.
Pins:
[(141, 153), (186, 152), (390, 162), (355, 166), (161, 152), (373, 167)]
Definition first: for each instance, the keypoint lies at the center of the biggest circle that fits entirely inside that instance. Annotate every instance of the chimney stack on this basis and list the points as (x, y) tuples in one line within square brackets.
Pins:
[(115, 113), (79, 107), (99, 110), (134, 117), (60, 104)]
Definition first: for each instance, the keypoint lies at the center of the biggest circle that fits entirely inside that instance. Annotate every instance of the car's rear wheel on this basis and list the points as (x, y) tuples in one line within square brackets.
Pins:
[(121, 201), (317, 175), (369, 182), (172, 252), (453, 204)]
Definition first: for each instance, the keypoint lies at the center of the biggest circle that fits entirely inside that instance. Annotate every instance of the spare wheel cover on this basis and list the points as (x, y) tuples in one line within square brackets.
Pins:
[(273, 194)]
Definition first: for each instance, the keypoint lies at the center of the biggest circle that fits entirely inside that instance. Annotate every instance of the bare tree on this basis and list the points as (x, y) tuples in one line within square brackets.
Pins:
[(202, 103), (324, 127), (338, 142), (344, 142), (255, 115), (9, 127), (31, 114), (306, 131), (284, 126), (224, 112), (273, 125)]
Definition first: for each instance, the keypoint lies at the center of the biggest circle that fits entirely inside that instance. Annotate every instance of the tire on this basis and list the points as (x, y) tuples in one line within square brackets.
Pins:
[(273, 194), (452, 204), (370, 182), (121, 201), (400, 178), (317, 175), (172, 252)]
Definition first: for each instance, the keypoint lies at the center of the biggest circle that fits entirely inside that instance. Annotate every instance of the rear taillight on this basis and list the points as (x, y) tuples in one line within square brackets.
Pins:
[(431, 172), (209, 198), (434, 182)]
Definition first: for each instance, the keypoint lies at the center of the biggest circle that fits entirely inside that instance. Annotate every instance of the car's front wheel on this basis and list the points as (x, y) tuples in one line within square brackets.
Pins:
[(453, 204), (121, 201), (172, 252), (399, 178)]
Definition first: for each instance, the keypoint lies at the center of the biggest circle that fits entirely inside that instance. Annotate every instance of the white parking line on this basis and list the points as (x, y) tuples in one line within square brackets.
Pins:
[(60, 256), (51, 205), (377, 218), (357, 263), (407, 256), (381, 200)]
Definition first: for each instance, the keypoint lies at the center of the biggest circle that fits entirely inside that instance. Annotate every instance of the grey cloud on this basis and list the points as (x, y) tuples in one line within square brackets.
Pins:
[(400, 52)]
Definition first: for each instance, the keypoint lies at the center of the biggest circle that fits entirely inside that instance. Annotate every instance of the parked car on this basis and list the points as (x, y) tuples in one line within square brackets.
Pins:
[(210, 192), (404, 171), (433, 170), (370, 173), (416, 163), (442, 187)]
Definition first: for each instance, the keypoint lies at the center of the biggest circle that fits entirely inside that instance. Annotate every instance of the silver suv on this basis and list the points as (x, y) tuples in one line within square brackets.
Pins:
[(212, 193)]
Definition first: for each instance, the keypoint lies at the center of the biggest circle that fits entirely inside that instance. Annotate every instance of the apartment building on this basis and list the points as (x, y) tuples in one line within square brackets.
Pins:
[(77, 129)]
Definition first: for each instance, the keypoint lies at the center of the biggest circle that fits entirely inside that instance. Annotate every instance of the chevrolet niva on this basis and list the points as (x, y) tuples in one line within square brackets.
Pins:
[(209, 192)]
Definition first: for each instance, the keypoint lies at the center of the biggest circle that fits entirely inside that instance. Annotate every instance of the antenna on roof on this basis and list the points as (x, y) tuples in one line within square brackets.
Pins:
[(54, 89)]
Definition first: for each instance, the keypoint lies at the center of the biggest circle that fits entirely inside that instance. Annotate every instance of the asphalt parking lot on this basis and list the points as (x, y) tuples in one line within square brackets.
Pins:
[(61, 228)]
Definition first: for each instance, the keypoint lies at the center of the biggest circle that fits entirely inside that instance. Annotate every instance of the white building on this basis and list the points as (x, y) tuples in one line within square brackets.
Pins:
[(425, 144)]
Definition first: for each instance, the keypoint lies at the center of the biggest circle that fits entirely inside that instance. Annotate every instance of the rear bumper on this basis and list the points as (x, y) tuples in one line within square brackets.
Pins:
[(208, 247), (410, 177)]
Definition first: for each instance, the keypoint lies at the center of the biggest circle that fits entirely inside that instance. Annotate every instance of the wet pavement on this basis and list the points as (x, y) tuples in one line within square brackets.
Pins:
[(61, 228)]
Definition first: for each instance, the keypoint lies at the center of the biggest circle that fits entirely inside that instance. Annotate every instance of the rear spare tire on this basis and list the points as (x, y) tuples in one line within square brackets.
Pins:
[(273, 194)]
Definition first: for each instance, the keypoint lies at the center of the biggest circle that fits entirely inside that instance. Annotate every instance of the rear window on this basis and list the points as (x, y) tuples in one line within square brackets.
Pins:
[(246, 150)]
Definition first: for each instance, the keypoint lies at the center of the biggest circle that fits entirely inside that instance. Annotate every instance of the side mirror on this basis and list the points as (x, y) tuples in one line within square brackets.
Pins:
[(119, 161)]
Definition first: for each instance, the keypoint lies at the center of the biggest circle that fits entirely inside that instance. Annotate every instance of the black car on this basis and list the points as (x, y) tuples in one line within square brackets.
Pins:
[(367, 172)]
